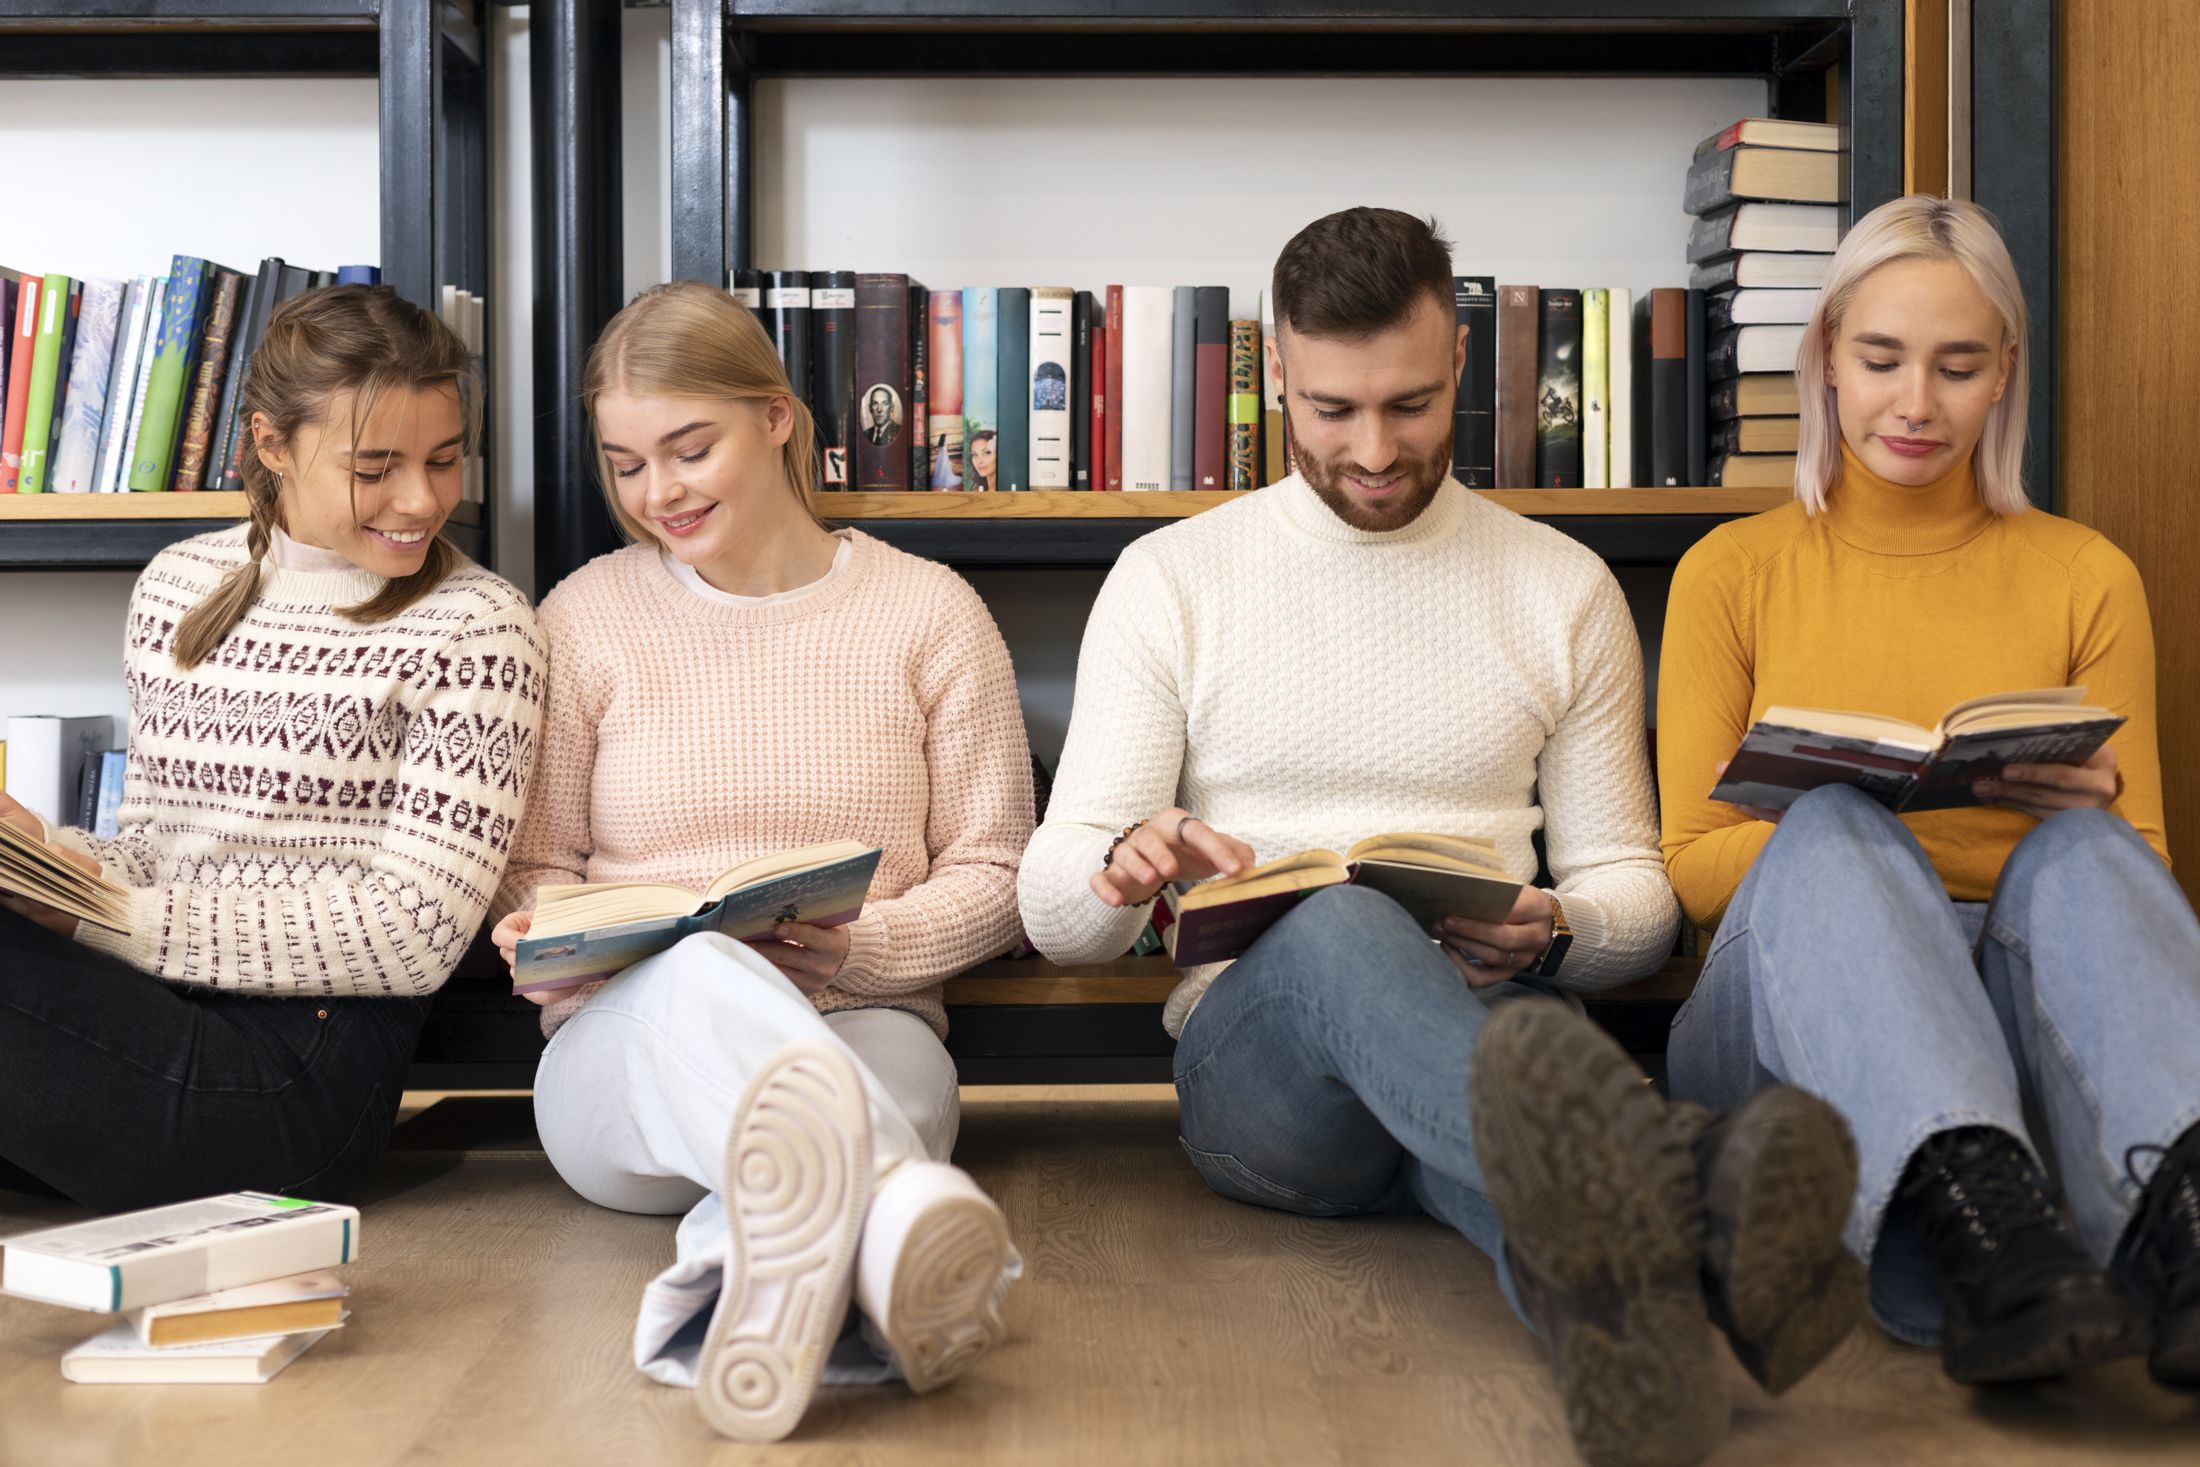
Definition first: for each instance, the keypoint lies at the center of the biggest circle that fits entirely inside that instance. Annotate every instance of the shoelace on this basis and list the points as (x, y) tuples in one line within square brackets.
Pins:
[(2164, 1237), (1987, 1188)]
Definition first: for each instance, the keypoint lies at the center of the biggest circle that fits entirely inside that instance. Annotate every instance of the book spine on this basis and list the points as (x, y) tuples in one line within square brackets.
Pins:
[(1012, 305), (920, 388), (176, 350), (944, 421), (880, 428), (87, 793), (747, 289), (91, 367), (121, 377), (1147, 350), (1474, 408), (48, 362), (1183, 384), (198, 422), (833, 371), (10, 286), (22, 345), (358, 275), (1275, 457), (787, 309), (1210, 385), (106, 819), (223, 469), (1558, 391), (1596, 423), (1112, 407), (981, 391), (1710, 181), (1053, 351), (1708, 236), (1717, 275), (1668, 308), (1621, 395), (1080, 391), (1517, 309), (156, 310), (1698, 420), (1244, 406)]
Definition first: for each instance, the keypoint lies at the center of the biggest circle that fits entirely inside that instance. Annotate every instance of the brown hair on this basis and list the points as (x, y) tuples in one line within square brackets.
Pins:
[(362, 339), (687, 339), (1360, 271)]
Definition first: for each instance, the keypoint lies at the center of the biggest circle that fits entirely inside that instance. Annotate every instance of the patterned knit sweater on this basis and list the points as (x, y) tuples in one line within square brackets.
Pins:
[(684, 736), (1298, 683), (321, 807)]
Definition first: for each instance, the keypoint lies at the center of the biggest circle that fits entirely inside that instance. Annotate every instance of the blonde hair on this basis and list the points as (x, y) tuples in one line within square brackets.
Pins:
[(686, 339), (362, 339), (1916, 227)]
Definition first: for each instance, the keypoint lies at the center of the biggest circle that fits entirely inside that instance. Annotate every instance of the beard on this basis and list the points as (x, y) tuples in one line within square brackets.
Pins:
[(1423, 476)]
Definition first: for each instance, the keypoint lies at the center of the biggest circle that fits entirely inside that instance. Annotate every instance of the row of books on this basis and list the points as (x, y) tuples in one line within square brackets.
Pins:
[(59, 769), (114, 386), (224, 1290)]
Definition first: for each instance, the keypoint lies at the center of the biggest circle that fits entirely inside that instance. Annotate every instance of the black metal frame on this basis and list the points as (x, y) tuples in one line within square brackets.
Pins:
[(2015, 145)]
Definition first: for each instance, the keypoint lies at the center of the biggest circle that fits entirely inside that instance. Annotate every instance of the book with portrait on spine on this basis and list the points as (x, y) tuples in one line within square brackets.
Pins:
[(882, 383)]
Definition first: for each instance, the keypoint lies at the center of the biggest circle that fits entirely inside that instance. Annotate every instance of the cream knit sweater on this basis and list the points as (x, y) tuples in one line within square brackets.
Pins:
[(322, 807), (685, 735), (1299, 683)]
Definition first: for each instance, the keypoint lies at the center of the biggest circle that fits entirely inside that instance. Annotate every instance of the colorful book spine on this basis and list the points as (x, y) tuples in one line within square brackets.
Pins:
[(1558, 391), (91, 366), (22, 345), (1102, 414), (156, 308), (358, 274), (833, 371), (1474, 409), (49, 364), (1275, 450), (206, 389), (1210, 386), (920, 387), (106, 813), (160, 422), (1183, 385), (981, 390), (944, 420), (1517, 310), (1080, 390), (1050, 347), (882, 374), (1620, 398), (1244, 406), (1113, 408), (121, 382), (1012, 342), (1596, 423)]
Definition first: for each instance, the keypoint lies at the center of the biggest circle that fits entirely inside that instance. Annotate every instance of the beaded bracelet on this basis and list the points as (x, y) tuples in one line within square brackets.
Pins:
[(1128, 831)]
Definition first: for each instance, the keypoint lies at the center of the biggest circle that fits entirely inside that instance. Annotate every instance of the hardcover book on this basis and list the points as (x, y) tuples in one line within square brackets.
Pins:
[(1756, 395), (833, 371), (1773, 132), (1740, 349), (787, 313), (114, 422), (1517, 366), (1558, 391), (944, 387), (1244, 400), (1788, 175), (1810, 228), (1665, 315), (882, 375), (920, 387), (1474, 411), (114, 1264), (1111, 416), (1012, 304), (1620, 396), (22, 344), (1275, 448), (175, 354), (58, 299), (285, 1306), (1147, 350), (254, 304), (206, 385), (91, 366), (1183, 384), (981, 391), (1050, 346), (1699, 445), (156, 312), (1210, 382), (1596, 423), (1752, 307), (1760, 269), (1082, 330)]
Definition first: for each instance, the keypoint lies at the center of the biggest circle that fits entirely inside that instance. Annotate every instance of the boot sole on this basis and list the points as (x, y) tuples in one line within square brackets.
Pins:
[(1782, 1284), (798, 1176), (943, 1314), (1599, 1201), (2106, 1330)]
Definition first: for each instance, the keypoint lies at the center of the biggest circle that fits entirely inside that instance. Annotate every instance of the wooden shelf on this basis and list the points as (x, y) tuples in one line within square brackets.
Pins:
[(1048, 504), (124, 531)]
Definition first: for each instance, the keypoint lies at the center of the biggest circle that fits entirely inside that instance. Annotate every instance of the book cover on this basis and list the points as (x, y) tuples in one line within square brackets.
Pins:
[(1012, 354), (882, 376), (787, 313), (1759, 269), (1666, 312), (1747, 172), (175, 354), (1244, 403), (944, 386), (1183, 384), (920, 387), (1148, 348), (1756, 307), (1112, 415), (833, 371), (747, 289), (1518, 308), (22, 343), (254, 303), (286, 1306), (57, 300), (981, 390), (1558, 390), (1275, 460), (1103, 410), (1620, 396), (1596, 423), (113, 1264), (116, 1356), (106, 813), (121, 381), (205, 396), (1210, 382), (1051, 347), (1080, 390), (1699, 451), (1474, 410), (156, 311)]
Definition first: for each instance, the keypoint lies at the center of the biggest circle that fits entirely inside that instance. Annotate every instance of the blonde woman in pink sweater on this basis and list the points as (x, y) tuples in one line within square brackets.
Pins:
[(740, 680)]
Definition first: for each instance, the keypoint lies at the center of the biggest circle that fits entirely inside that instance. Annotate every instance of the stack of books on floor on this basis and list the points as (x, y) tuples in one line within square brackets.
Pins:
[(225, 1290), (1765, 195)]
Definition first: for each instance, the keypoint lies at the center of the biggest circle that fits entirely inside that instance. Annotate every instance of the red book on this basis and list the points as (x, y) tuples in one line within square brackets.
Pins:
[(1210, 376), (1113, 345), (20, 346), (1098, 376)]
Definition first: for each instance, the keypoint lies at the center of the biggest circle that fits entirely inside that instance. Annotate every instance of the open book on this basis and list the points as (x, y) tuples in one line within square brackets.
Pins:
[(585, 932), (28, 868), (1431, 876), (1791, 751)]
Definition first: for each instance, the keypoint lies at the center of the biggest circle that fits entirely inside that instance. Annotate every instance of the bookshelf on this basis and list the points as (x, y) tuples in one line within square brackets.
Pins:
[(429, 59)]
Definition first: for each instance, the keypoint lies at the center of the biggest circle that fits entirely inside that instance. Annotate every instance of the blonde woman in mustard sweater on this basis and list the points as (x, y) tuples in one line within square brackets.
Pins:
[(2000, 998), (740, 681)]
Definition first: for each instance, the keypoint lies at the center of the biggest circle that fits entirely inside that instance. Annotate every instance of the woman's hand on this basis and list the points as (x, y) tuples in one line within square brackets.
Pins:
[(506, 937), (1754, 812), (53, 919), (811, 957), (2040, 790)]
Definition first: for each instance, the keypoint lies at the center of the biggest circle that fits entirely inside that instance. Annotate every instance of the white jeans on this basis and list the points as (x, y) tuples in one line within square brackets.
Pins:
[(636, 1093)]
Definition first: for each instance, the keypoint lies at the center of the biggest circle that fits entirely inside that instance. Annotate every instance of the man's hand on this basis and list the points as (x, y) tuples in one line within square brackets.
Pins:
[(811, 957), (1173, 846), (1754, 812), (2039, 790), (1486, 953)]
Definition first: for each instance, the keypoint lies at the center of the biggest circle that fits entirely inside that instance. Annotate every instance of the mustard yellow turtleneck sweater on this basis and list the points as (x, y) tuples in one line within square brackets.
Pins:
[(1899, 600)]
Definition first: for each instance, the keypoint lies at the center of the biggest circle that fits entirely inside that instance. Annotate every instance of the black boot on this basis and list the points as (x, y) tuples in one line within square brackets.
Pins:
[(1777, 1176), (2159, 1260), (2023, 1301)]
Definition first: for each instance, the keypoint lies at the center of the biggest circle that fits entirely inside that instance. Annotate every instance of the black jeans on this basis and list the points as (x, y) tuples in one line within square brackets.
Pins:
[(120, 1091)]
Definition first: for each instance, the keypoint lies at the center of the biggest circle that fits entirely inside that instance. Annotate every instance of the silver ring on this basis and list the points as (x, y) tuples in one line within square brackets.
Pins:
[(1179, 836)]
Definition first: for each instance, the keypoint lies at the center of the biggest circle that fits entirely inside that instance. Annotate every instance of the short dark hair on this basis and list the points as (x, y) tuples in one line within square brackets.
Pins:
[(1359, 271)]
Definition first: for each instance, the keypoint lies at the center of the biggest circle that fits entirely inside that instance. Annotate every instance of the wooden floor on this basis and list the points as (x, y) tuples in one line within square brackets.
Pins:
[(1156, 1324)]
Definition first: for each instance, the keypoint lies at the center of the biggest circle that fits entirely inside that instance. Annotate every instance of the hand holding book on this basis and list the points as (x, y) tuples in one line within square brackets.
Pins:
[(1489, 953), (1174, 845), (50, 884)]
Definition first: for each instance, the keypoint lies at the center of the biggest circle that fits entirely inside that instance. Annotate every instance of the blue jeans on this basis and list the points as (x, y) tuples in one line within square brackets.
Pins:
[(1325, 1072), (2067, 1009)]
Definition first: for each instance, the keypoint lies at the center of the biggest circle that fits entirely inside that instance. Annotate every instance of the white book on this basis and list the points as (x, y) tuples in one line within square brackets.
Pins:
[(46, 761), (157, 306), (1596, 389), (113, 1264), (1049, 386), (1619, 409), (90, 364), (116, 1356), (1148, 321), (300, 1304), (121, 381)]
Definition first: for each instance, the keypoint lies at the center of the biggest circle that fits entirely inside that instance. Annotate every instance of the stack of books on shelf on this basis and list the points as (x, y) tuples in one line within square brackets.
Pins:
[(225, 1290), (65, 770), (1765, 193), (117, 386)]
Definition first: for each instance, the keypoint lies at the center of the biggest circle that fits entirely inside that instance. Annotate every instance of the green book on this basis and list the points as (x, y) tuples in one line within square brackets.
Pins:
[(47, 366), (175, 352), (1596, 389)]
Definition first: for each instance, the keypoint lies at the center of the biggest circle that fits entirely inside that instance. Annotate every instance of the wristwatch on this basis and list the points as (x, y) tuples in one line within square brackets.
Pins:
[(1562, 938)]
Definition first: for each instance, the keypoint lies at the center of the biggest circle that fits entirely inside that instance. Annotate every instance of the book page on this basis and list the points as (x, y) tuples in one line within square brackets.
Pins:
[(1968, 713), (1295, 872), (30, 868), (561, 909), (783, 863), (1877, 727), (1441, 852)]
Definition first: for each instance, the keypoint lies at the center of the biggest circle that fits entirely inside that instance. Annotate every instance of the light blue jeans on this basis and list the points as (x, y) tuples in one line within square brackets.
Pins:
[(2065, 1011), (1325, 1072)]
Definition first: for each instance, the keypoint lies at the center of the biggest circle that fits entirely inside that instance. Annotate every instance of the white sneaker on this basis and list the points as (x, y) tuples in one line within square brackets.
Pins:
[(798, 1177), (934, 1266)]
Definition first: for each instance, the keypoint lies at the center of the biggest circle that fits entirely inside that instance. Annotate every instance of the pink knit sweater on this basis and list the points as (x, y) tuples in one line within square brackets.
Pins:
[(682, 736)]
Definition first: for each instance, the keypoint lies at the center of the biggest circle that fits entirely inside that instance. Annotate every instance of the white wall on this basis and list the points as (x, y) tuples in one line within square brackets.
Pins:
[(1080, 181)]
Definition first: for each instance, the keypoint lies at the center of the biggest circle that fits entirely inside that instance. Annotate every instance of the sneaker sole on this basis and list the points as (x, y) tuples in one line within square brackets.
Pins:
[(798, 1175), (943, 1313), (1599, 1197), (1786, 1289)]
